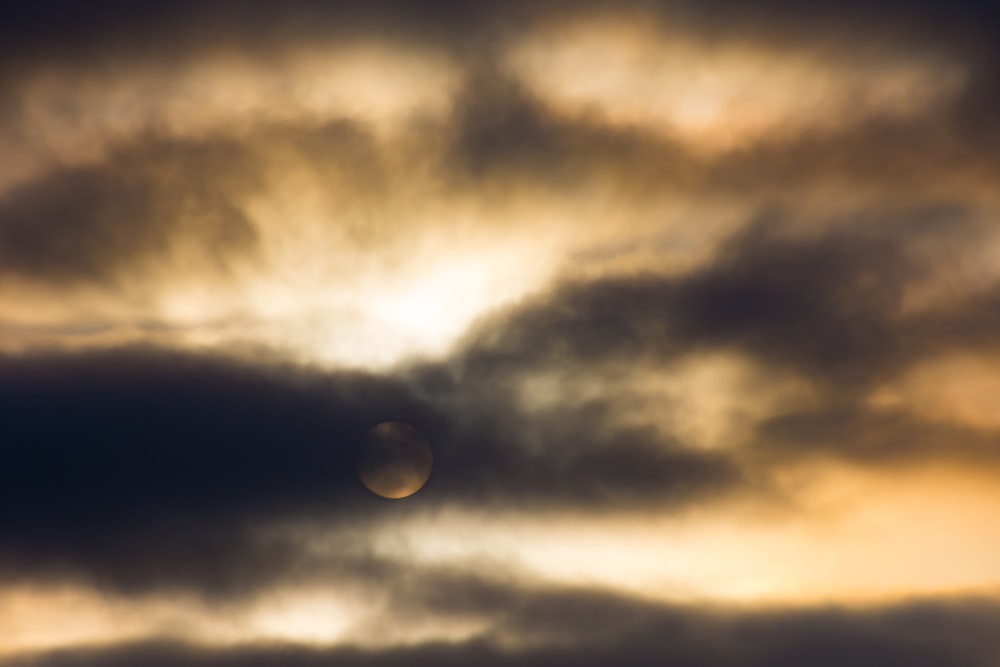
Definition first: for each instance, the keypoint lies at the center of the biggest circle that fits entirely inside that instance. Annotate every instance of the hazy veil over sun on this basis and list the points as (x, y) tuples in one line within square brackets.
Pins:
[(670, 328), (394, 461)]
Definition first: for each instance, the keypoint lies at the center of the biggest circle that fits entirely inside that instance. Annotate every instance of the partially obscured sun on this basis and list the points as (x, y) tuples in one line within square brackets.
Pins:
[(395, 460)]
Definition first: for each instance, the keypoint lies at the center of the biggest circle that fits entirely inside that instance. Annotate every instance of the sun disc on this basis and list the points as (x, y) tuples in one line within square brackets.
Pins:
[(395, 460)]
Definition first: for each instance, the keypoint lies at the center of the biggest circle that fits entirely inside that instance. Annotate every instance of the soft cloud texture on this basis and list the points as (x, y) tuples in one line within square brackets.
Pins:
[(696, 303)]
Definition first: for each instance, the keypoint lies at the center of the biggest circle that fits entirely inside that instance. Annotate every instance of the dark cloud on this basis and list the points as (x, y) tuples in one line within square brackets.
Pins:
[(90, 223), (162, 204), (126, 214), (153, 468), (501, 135), (937, 155), (70, 24), (585, 629), (144, 468), (73, 33), (91, 36), (129, 466), (874, 436), (828, 304), (123, 214), (967, 26), (584, 626)]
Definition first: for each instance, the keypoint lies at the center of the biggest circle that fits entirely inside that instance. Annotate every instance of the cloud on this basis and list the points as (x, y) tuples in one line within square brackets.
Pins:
[(584, 628), (89, 224), (130, 466), (585, 226), (829, 303), (133, 465), (112, 457), (832, 307), (873, 436), (275, 198)]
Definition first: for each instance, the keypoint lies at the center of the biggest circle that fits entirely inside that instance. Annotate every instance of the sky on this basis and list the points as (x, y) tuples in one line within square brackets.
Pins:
[(696, 303)]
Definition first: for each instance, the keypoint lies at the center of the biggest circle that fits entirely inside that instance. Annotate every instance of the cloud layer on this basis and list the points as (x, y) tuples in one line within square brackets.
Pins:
[(686, 297)]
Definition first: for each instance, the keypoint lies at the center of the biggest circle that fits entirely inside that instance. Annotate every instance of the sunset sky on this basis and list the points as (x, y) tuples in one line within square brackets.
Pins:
[(697, 303)]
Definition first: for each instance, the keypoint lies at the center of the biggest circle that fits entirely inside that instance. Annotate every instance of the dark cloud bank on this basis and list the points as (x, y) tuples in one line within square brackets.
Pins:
[(68, 25), (130, 465), (146, 469)]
